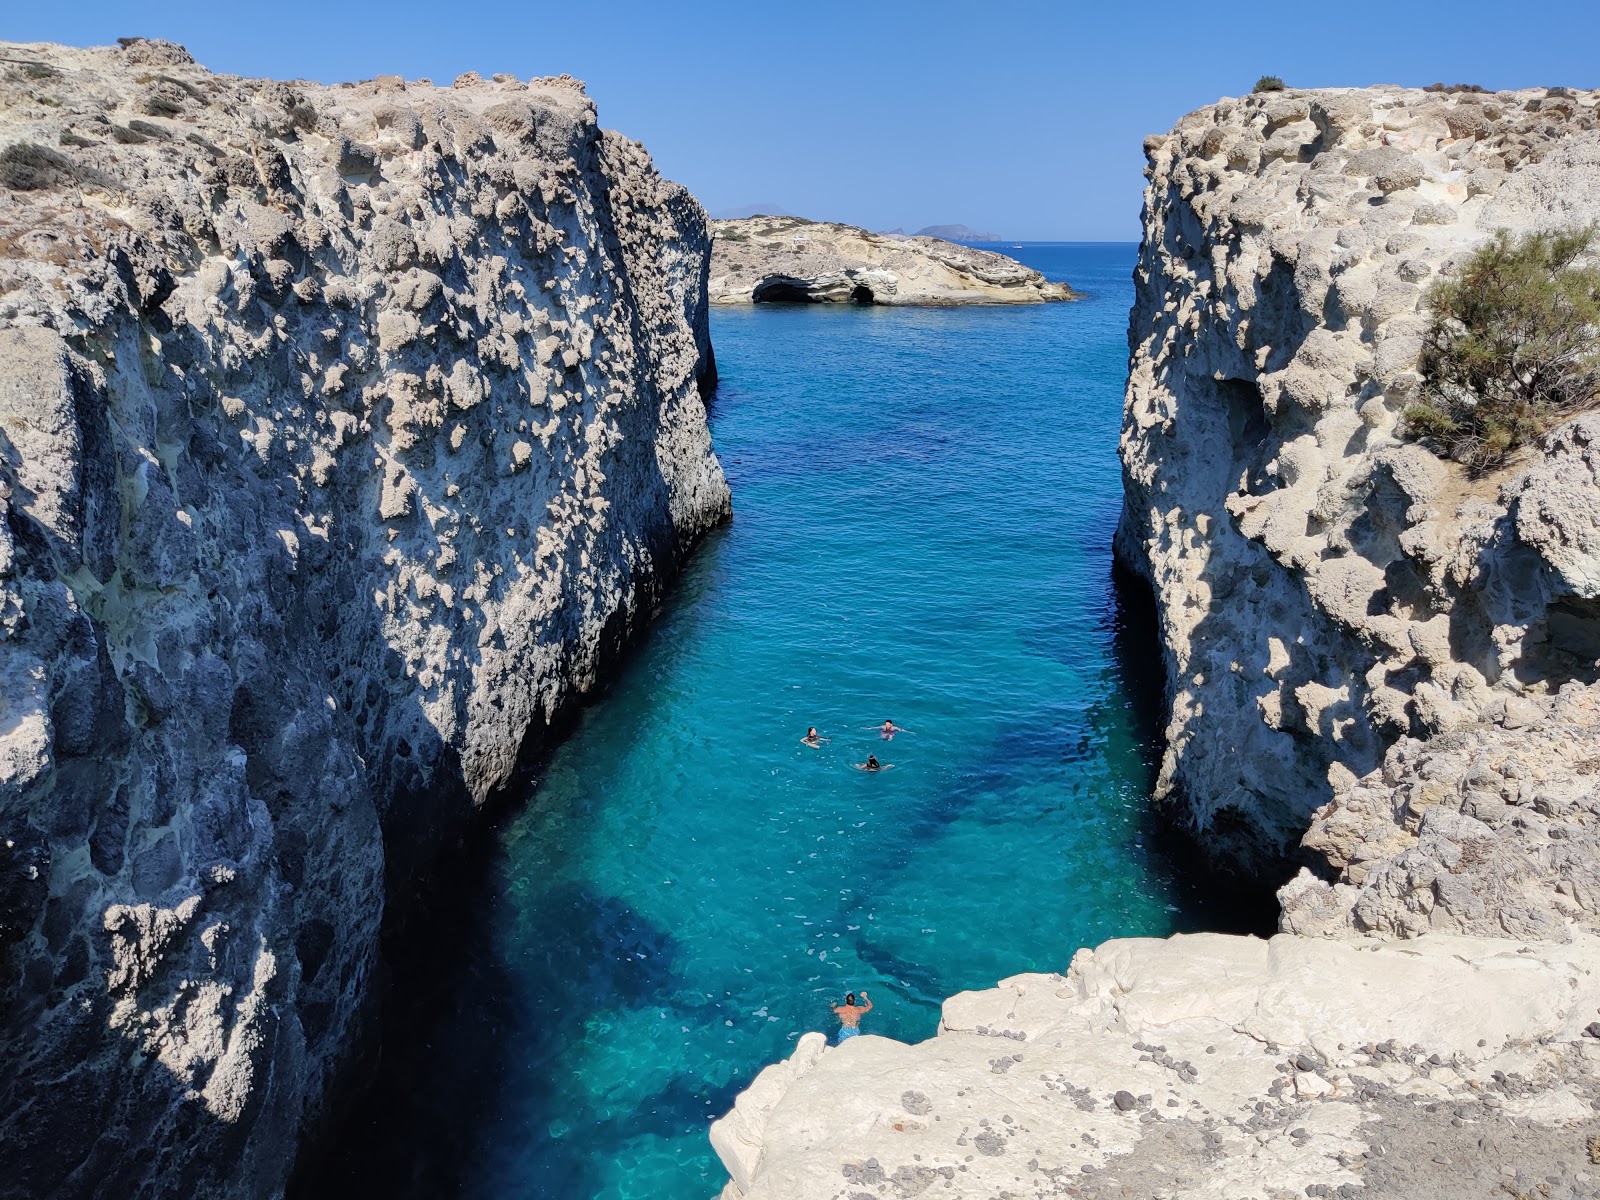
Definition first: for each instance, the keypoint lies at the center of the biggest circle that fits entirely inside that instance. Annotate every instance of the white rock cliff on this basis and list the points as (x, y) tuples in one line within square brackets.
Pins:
[(1205, 1066), (1360, 641), (1324, 586), (344, 432)]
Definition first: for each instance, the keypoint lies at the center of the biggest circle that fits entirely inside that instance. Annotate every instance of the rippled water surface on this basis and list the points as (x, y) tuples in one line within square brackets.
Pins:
[(925, 501)]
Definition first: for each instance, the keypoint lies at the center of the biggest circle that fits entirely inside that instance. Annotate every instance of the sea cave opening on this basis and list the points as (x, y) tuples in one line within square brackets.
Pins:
[(781, 291), (862, 294)]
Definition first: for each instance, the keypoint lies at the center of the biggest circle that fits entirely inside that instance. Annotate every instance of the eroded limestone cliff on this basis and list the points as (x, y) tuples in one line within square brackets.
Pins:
[(345, 431), (1326, 587), (1361, 641), (1209, 1066)]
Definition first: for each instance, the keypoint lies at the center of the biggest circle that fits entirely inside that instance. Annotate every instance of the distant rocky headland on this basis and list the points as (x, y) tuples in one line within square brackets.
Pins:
[(1377, 661), (956, 233), (347, 433), (767, 259)]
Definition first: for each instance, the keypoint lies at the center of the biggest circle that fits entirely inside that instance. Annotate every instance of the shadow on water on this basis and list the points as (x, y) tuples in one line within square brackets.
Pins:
[(464, 1036), (446, 1007), (460, 1038), (1206, 900)]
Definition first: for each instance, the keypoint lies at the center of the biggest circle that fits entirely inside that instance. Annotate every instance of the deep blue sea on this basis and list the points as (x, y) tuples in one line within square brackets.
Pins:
[(924, 507)]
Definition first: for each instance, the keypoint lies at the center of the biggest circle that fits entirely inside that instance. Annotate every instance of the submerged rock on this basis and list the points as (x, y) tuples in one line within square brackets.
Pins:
[(346, 431), (787, 259)]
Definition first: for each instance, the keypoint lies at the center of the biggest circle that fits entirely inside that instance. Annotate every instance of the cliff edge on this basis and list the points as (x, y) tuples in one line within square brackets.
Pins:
[(344, 431), (1325, 586), (1372, 656)]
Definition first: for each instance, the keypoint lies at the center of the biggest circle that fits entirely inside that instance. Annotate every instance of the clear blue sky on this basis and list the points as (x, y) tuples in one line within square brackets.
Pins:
[(1021, 118)]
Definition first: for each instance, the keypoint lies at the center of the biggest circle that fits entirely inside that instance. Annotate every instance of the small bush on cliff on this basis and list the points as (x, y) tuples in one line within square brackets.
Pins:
[(1514, 346), (1268, 83)]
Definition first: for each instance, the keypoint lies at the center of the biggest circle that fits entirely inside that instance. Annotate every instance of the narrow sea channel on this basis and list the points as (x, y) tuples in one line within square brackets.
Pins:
[(925, 502)]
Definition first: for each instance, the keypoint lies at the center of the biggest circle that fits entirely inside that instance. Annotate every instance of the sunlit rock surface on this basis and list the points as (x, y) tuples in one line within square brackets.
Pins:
[(1205, 1066), (786, 259), (343, 432), (1324, 586)]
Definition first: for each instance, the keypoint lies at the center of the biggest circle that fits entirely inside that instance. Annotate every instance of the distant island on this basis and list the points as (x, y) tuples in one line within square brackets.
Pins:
[(765, 259), (956, 233)]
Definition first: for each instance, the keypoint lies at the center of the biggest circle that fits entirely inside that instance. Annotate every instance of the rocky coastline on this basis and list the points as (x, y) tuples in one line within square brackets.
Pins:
[(1374, 661), (347, 433), (759, 260)]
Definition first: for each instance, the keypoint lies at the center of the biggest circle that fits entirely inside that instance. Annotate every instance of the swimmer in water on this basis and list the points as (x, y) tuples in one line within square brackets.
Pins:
[(872, 764), (850, 1014), (888, 729), (813, 738)]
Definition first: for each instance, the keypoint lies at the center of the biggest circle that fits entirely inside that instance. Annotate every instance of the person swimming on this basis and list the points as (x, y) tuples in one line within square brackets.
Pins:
[(850, 1014), (813, 738), (888, 729), (872, 764)]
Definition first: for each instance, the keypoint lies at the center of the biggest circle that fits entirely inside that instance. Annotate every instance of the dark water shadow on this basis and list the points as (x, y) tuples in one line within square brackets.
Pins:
[(448, 1009), (424, 1099), (470, 1040), (1206, 900)]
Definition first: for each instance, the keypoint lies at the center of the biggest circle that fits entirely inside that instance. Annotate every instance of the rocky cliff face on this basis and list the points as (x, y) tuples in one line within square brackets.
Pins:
[(1362, 642), (1325, 587), (762, 259), (343, 432)]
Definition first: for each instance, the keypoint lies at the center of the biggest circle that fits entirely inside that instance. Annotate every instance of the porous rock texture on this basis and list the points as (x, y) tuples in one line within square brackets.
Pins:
[(345, 431), (1206, 1066), (762, 259), (1367, 649), (1324, 586), (1493, 830)]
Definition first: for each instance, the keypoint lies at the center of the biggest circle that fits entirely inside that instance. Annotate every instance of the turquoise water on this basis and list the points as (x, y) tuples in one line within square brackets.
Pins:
[(924, 508)]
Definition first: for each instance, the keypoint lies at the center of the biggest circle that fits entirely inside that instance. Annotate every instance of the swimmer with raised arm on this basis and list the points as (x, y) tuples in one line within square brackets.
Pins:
[(872, 764), (813, 738), (850, 1014)]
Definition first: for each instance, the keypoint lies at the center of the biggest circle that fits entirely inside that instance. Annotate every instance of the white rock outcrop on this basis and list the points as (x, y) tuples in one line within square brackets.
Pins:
[(1361, 641), (1206, 1066), (344, 432), (1324, 586), (762, 259), (1493, 829)]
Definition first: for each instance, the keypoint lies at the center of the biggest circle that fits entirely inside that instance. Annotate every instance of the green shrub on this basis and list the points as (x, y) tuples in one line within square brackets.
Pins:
[(1268, 83), (1514, 346)]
